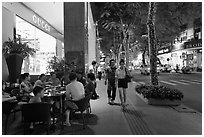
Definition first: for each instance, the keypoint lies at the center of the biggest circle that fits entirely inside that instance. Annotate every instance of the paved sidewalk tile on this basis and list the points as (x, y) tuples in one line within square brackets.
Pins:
[(164, 120)]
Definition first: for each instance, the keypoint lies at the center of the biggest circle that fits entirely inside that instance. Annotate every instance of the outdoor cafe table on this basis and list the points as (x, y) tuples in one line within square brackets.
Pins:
[(56, 95)]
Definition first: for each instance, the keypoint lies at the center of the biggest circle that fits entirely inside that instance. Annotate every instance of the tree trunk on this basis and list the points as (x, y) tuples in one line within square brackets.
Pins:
[(126, 47), (127, 55), (152, 43), (143, 57)]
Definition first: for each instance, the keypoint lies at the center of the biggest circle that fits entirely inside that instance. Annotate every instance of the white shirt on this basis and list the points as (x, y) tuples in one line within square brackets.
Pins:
[(76, 90), (120, 73)]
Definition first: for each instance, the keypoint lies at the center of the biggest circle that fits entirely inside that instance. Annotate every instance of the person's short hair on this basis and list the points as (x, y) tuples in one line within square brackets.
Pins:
[(41, 76), (111, 61), (72, 76), (122, 61), (37, 90), (25, 75), (51, 73), (93, 62), (91, 76)]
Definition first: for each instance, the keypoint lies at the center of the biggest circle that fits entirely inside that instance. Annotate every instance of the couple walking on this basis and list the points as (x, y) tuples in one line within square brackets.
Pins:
[(116, 77)]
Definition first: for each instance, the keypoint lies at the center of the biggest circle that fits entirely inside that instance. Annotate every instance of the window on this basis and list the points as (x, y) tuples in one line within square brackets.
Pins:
[(44, 43)]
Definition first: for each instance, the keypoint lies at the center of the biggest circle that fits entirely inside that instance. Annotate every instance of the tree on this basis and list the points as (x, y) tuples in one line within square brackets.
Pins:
[(120, 17), (163, 26), (152, 42)]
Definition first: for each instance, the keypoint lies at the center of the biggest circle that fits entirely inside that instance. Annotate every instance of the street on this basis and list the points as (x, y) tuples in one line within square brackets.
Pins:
[(189, 84)]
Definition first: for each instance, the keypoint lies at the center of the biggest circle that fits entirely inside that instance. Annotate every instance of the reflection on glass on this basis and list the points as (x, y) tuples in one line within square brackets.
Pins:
[(44, 43)]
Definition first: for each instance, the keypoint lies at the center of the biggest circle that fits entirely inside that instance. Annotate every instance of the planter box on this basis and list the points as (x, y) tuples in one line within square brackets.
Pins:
[(160, 102), (163, 102)]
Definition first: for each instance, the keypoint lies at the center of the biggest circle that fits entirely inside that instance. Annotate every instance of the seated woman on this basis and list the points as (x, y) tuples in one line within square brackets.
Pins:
[(54, 80), (7, 97), (41, 81), (25, 86)]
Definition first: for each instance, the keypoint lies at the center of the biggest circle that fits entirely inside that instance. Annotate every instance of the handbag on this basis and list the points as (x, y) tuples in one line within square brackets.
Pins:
[(127, 77)]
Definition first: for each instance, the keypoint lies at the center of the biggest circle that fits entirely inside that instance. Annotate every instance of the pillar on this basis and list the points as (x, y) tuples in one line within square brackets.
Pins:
[(74, 35)]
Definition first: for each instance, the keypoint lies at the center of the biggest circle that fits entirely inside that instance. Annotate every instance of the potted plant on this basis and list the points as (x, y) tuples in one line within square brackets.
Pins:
[(58, 66), (160, 95), (15, 51)]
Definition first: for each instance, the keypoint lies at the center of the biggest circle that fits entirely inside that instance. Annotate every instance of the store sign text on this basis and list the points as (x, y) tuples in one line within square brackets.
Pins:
[(41, 23), (163, 51), (193, 45)]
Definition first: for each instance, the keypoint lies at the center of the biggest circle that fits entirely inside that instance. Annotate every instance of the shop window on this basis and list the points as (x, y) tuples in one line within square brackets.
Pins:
[(41, 41)]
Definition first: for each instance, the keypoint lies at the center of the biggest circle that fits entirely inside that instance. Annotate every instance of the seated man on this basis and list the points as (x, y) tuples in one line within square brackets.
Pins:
[(38, 95), (54, 80), (6, 96), (74, 91), (41, 81), (90, 87)]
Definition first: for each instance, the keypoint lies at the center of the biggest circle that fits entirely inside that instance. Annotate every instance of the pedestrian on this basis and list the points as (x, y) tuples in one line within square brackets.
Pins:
[(121, 73), (110, 76), (94, 71), (99, 72)]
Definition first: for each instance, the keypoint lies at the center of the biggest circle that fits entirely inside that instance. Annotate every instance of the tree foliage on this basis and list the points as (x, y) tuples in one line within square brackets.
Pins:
[(170, 17)]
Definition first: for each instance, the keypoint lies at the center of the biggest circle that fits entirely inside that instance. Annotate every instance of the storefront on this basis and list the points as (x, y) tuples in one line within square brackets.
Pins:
[(193, 53), (32, 28), (189, 54), (164, 56)]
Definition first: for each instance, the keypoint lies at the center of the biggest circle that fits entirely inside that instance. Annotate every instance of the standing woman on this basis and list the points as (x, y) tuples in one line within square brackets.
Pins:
[(122, 82)]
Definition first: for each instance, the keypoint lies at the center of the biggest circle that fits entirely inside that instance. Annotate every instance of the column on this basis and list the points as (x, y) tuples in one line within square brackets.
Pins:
[(74, 35)]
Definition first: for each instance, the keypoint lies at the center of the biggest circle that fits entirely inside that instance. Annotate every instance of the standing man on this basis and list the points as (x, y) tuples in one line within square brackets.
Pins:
[(93, 70), (110, 76)]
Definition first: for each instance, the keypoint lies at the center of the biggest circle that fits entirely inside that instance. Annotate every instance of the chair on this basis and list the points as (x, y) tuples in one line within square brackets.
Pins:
[(15, 92), (83, 104), (36, 112), (7, 109)]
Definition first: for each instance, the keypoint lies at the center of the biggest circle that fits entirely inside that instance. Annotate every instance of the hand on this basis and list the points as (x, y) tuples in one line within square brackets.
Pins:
[(14, 97), (105, 82), (116, 84)]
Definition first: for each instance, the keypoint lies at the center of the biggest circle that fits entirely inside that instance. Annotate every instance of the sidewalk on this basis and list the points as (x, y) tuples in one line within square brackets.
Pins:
[(138, 118), (164, 120)]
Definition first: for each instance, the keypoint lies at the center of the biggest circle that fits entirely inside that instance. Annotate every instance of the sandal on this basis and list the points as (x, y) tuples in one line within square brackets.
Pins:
[(67, 124)]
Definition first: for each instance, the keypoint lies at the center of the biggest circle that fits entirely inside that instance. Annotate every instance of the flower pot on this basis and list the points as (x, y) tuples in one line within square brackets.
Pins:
[(14, 63), (163, 102)]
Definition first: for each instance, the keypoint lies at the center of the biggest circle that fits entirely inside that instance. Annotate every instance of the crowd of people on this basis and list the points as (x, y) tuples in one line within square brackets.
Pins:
[(79, 85)]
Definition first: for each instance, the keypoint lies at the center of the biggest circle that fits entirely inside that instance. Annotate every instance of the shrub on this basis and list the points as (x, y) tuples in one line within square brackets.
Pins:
[(159, 92)]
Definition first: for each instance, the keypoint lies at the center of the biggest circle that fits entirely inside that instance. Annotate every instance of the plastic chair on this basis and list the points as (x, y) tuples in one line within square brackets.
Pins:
[(36, 112), (83, 104)]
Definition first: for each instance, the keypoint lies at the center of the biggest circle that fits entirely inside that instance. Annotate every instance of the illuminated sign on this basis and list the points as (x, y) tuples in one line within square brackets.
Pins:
[(193, 44), (41, 23), (165, 50)]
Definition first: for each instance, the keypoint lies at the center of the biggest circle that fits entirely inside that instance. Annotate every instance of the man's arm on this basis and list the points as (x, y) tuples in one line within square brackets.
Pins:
[(106, 76), (67, 93)]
